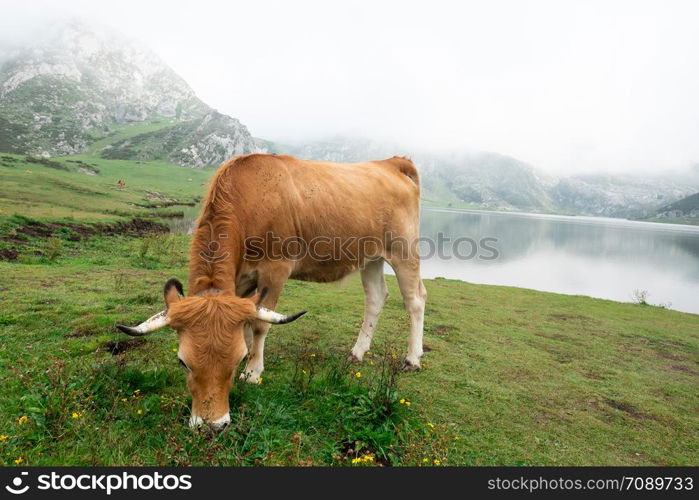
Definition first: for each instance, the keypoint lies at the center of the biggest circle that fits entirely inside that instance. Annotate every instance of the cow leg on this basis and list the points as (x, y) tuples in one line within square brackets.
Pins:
[(414, 294), (256, 358), (375, 293)]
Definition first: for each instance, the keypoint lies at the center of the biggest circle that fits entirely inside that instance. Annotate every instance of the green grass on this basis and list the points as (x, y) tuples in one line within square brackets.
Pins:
[(511, 376), (127, 131), (36, 190), (86, 405)]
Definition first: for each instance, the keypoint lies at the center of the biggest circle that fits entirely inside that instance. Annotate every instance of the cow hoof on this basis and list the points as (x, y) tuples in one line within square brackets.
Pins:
[(353, 359), (409, 366)]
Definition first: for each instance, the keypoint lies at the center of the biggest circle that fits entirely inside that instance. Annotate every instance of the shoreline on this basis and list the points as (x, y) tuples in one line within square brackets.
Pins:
[(590, 219)]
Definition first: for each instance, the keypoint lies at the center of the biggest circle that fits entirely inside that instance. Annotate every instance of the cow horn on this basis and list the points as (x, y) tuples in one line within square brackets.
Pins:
[(276, 318), (150, 325)]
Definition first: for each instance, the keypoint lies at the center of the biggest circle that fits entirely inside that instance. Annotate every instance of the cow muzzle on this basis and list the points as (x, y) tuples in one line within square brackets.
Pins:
[(217, 425)]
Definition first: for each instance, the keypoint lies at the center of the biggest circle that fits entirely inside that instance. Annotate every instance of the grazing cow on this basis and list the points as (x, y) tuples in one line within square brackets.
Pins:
[(270, 218)]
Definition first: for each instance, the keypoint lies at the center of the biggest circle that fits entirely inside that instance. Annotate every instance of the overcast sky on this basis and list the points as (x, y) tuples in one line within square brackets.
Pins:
[(566, 86)]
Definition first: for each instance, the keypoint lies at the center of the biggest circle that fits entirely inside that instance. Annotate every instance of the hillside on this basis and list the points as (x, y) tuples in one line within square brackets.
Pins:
[(79, 86), (684, 211), (197, 143), (85, 188), (624, 196), (688, 206)]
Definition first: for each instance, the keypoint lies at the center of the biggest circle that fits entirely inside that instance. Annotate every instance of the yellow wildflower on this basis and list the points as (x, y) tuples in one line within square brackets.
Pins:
[(19, 460), (402, 401), (139, 412), (313, 355), (3, 437), (430, 425), (174, 349), (408, 403), (437, 462), (304, 372), (23, 419), (259, 380), (124, 399), (394, 356), (77, 414), (365, 459), (424, 460), (358, 374)]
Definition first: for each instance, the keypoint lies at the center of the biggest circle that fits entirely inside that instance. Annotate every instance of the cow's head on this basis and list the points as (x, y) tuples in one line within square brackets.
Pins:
[(211, 343)]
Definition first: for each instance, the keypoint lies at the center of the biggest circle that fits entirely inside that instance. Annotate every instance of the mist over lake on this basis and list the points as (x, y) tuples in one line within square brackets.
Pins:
[(599, 257)]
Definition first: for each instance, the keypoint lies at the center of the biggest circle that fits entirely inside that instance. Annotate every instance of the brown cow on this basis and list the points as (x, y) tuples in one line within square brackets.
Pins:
[(269, 218)]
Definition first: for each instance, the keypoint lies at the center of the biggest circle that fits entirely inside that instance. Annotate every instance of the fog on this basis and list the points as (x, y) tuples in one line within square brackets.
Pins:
[(566, 86)]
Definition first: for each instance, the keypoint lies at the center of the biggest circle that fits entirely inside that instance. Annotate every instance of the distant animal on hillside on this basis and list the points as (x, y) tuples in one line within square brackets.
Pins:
[(121, 183), (270, 218)]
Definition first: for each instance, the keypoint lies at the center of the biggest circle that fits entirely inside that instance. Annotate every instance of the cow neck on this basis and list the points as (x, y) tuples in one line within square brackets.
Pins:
[(215, 254)]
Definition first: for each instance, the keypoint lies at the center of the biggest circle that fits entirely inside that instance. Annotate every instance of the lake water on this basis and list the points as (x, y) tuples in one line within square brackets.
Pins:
[(599, 257)]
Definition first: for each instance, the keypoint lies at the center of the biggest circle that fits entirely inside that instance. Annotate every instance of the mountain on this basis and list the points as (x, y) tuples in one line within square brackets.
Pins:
[(616, 196), (494, 181), (78, 86), (488, 180), (197, 143), (83, 90), (685, 210)]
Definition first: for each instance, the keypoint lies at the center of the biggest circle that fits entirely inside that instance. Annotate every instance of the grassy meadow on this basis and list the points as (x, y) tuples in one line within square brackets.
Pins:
[(510, 376)]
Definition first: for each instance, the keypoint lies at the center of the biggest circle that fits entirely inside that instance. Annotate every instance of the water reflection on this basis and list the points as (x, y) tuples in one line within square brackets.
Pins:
[(607, 258), (186, 224)]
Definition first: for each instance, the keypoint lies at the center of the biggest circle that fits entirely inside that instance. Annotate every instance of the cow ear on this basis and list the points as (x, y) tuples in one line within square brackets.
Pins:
[(173, 291)]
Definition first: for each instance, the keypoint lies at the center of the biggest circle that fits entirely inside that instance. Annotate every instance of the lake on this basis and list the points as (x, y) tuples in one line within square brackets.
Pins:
[(599, 257)]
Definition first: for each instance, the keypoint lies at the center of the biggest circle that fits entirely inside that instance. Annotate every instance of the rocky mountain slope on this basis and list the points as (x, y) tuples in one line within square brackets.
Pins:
[(78, 86), (197, 143), (616, 196), (686, 207)]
